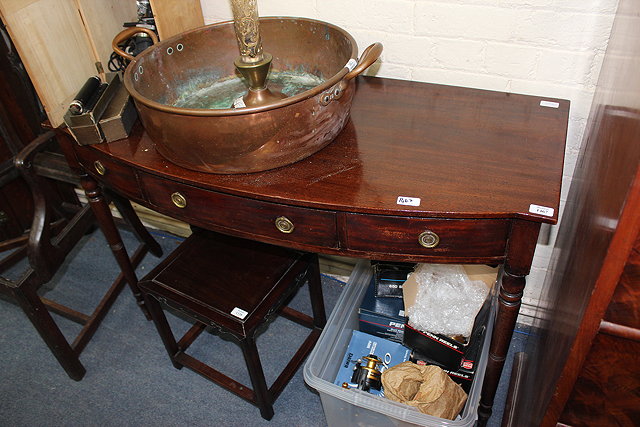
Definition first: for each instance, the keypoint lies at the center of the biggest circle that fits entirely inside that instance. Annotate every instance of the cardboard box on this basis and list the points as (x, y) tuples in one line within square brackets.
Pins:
[(362, 345), (389, 277), (382, 317), (446, 351)]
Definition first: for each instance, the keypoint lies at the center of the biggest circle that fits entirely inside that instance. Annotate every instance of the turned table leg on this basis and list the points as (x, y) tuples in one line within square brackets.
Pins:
[(521, 247), (102, 212)]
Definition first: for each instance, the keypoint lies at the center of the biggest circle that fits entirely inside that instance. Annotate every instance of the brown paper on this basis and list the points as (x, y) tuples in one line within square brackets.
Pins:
[(426, 387)]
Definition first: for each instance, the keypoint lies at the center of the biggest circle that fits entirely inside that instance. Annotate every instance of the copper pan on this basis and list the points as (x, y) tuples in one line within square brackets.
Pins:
[(240, 140)]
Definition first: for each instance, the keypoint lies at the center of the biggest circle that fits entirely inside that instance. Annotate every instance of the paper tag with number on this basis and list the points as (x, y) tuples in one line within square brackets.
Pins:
[(408, 201), (239, 313), (541, 210)]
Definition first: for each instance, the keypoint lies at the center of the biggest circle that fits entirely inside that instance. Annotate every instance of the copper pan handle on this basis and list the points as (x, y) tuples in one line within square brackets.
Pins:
[(368, 57), (126, 34)]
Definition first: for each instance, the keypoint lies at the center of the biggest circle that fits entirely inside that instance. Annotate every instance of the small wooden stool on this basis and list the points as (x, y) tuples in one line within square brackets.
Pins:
[(235, 285)]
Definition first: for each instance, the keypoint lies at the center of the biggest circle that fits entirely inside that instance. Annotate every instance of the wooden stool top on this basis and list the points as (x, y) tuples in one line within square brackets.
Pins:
[(226, 281)]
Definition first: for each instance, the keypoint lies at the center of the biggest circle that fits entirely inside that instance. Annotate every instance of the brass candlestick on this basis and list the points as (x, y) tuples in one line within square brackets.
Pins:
[(253, 63)]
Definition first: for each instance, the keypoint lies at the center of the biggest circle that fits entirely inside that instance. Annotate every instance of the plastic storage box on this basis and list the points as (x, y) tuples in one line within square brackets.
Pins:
[(344, 407)]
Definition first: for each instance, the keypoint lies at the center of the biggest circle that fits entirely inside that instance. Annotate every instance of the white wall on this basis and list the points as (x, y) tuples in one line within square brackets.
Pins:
[(550, 48)]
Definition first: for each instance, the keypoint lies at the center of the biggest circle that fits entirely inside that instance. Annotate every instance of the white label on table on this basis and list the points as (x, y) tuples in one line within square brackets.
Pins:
[(550, 104), (408, 201), (541, 210), (239, 313)]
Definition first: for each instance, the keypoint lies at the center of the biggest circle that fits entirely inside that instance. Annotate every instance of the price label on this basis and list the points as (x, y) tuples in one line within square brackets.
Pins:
[(549, 104), (541, 210), (408, 201), (239, 313)]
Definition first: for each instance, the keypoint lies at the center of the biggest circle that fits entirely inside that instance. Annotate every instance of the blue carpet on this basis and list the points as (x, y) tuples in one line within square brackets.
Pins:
[(129, 379)]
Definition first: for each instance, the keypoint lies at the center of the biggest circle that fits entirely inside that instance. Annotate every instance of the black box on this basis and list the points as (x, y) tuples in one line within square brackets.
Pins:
[(446, 351), (389, 277), (382, 317), (465, 373)]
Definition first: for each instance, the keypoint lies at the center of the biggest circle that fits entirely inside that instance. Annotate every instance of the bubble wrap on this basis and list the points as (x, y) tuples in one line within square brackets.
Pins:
[(447, 301)]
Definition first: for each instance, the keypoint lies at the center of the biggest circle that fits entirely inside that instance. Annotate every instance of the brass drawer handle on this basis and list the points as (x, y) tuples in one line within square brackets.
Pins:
[(178, 200), (428, 239), (99, 167), (284, 224)]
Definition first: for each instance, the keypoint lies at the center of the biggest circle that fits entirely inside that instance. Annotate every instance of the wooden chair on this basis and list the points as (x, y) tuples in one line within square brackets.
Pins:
[(56, 228), (235, 286)]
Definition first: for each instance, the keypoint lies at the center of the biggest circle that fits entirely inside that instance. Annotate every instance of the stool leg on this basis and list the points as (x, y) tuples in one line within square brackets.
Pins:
[(163, 328), (315, 291), (252, 359)]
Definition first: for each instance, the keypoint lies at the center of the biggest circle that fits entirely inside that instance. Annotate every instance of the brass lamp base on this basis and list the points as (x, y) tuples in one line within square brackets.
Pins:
[(256, 74)]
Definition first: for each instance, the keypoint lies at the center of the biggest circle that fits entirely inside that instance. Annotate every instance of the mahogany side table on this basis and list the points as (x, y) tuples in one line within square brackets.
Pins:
[(421, 173)]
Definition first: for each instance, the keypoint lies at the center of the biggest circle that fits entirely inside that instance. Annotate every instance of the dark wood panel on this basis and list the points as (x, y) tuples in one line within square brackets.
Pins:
[(242, 215), (114, 174), (20, 118), (624, 308), (594, 243), (607, 393), (457, 238)]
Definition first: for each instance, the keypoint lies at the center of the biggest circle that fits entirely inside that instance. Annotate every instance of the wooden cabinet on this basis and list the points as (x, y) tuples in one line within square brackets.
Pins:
[(582, 368)]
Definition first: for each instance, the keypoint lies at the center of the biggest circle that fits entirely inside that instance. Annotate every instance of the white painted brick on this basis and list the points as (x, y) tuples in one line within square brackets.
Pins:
[(393, 16), (408, 50), (216, 11), (565, 66), (390, 70), (474, 22), (544, 88), (460, 78), (568, 30), (459, 54), (528, 4), (562, 6), (305, 8), (581, 105), (599, 7), (511, 60)]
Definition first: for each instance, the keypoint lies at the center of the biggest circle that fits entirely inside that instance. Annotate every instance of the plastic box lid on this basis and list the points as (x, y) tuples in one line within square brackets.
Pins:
[(344, 407)]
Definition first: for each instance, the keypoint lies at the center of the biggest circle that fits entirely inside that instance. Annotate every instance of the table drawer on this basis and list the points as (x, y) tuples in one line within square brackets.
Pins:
[(113, 174), (252, 217), (428, 236)]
